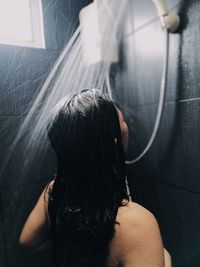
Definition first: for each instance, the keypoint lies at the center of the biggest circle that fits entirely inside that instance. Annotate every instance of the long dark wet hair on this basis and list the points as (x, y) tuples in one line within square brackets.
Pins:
[(89, 186)]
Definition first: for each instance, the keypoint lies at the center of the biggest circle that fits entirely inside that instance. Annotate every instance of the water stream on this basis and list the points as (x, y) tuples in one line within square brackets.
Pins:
[(30, 154)]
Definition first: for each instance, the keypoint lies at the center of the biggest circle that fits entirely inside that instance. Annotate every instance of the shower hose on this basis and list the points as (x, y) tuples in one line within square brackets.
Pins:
[(160, 108)]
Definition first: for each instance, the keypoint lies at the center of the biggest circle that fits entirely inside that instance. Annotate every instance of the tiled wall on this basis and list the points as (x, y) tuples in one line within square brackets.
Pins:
[(166, 180), (22, 71)]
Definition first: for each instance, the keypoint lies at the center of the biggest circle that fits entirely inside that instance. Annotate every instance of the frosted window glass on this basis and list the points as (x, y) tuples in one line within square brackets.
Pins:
[(15, 20), (21, 23)]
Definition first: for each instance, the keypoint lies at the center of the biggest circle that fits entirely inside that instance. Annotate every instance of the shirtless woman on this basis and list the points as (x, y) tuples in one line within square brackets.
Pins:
[(84, 214)]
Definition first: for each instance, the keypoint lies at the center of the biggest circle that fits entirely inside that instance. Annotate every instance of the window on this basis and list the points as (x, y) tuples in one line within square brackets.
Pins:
[(21, 23)]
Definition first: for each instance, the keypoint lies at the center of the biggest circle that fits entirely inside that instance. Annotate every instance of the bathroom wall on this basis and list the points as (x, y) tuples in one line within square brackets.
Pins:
[(166, 180), (22, 71)]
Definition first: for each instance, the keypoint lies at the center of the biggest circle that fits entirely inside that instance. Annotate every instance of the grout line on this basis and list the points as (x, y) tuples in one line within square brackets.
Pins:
[(135, 106), (189, 100), (176, 101), (12, 115), (174, 186), (26, 184)]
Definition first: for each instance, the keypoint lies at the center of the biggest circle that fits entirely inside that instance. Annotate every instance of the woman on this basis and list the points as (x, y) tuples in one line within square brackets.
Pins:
[(85, 212)]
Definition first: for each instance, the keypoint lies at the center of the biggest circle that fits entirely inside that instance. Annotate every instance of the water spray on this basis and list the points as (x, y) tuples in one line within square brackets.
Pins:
[(95, 49)]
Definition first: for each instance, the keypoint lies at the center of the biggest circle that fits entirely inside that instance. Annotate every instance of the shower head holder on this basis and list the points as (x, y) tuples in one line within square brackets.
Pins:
[(169, 20)]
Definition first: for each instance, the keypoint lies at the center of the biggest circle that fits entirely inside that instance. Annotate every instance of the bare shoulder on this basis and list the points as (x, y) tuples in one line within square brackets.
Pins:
[(134, 214), (134, 218), (139, 237)]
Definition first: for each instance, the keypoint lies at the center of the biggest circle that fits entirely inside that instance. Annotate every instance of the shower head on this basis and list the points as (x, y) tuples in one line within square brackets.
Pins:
[(169, 20), (98, 34)]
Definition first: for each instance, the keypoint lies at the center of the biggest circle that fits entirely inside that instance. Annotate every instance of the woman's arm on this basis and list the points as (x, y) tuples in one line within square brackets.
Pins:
[(36, 231)]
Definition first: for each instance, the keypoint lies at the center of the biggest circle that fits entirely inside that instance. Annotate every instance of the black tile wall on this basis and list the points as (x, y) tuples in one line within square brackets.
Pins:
[(174, 155), (166, 180), (22, 71), (143, 57), (36, 259), (176, 212), (67, 18), (189, 77), (142, 65), (15, 218), (144, 50), (9, 125)]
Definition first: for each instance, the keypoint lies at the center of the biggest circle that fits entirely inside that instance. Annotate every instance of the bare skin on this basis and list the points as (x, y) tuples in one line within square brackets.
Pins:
[(137, 241)]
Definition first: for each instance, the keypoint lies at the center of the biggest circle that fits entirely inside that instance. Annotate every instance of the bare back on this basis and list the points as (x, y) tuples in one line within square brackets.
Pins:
[(137, 240)]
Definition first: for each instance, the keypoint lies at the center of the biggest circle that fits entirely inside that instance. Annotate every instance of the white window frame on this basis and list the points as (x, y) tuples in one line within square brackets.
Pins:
[(38, 40)]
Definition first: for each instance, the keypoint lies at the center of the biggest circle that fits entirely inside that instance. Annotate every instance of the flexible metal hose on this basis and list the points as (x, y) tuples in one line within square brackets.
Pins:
[(160, 104)]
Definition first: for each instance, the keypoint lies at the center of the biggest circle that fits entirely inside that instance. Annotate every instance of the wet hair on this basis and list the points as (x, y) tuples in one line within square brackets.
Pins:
[(89, 186)]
